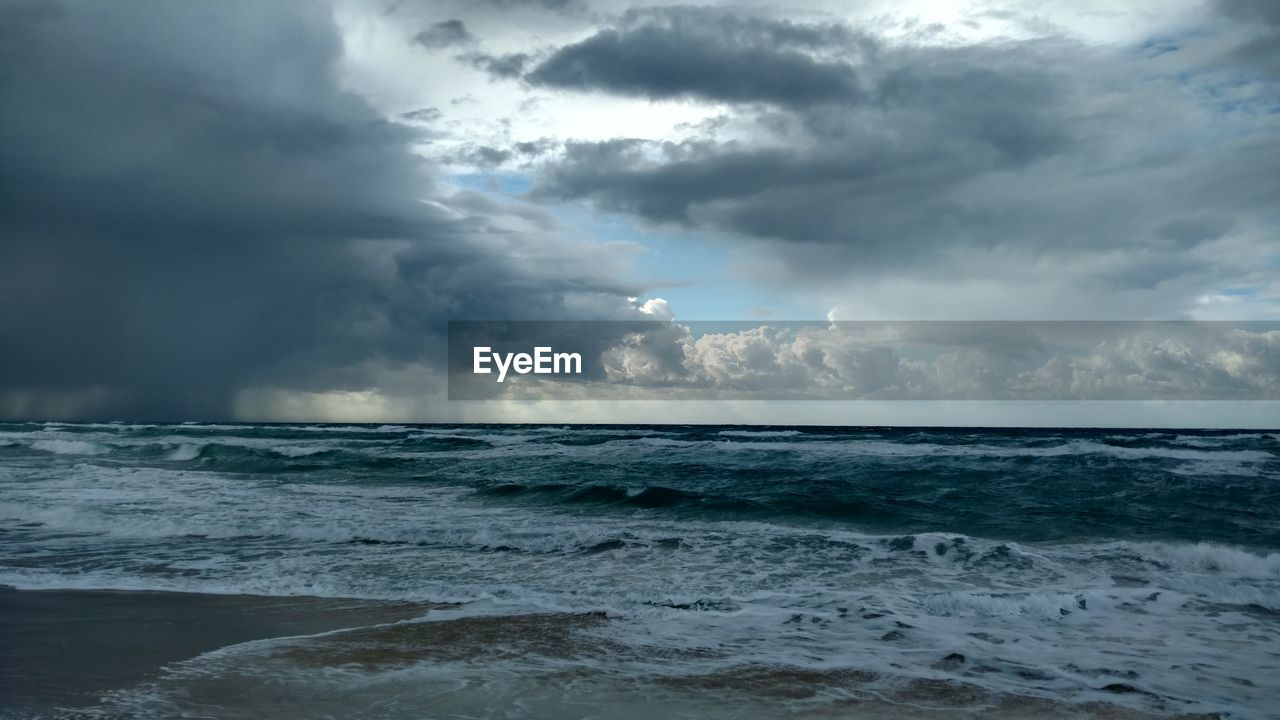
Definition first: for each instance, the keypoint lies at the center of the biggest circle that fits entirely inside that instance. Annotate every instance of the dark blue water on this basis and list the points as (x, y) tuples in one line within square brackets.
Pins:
[(1030, 485)]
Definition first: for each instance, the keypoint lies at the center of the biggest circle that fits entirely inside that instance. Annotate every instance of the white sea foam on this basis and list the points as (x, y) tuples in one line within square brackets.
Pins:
[(855, 447), (760, 433), (1052, 606), (68, 447), (295, 451), (1210, 559), (186, 451)]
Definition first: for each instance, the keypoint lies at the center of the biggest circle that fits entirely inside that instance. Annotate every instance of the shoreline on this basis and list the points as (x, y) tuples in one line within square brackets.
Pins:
[(65, 648)]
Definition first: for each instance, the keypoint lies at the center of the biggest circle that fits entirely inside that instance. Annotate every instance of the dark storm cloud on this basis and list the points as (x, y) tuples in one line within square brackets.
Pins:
[(867, 159), (864, 156), (499, 67), (487, 156), (185, 218), (425, 115), (708, 55), (534, 148), (444, 34)]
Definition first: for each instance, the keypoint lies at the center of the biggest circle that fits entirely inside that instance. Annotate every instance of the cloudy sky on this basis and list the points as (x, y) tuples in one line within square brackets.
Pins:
[(221, 210)]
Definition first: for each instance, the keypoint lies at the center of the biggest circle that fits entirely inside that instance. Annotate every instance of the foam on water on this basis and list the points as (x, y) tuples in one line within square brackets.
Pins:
[(760, 433), (1210, 559), (186, 451), (67, 447)]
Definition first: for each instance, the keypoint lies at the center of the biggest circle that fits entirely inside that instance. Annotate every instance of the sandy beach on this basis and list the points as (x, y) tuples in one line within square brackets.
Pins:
[(65, 648)]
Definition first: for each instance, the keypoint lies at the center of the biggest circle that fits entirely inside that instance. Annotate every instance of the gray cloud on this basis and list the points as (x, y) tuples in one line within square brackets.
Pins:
[(920, 361), (183, 219), (1251, 10), (446, 33), (1167, 362), (711, 55), (499, 67), (487, 156), (1260, 45), (556, 5), (919, 157), (426, 115)]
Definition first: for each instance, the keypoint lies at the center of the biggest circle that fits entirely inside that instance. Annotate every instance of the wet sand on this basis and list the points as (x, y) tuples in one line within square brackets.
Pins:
[(64, 648)]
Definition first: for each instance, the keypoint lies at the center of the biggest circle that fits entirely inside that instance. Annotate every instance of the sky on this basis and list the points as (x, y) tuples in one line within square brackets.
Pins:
[(270, 211)]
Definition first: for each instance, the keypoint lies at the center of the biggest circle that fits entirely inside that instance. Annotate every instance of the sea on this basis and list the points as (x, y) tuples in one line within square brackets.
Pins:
[(652, 571)]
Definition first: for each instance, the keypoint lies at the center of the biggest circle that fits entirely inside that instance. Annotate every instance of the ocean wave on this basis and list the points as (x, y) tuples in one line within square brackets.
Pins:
[(446, 441), (1208, 558), (185, 451), (486, 533), (760, 433), (649, 497), (242, 457), (294, 451), (855, 447), (68, 447), (1042, 605), (1229, 455), (259, 456)]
